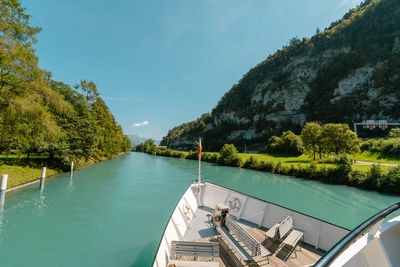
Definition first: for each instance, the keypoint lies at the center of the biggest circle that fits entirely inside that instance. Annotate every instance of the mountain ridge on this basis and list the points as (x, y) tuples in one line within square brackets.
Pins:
[(347, 73)]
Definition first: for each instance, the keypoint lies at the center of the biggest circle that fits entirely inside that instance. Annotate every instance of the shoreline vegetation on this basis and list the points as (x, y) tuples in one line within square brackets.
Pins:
[(21, 174), (379, 178), (333, 167)]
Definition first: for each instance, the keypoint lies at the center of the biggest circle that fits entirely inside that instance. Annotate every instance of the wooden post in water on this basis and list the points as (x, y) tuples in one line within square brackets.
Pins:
[(42, 179), (3, 187), (4, 179), (72, 168)]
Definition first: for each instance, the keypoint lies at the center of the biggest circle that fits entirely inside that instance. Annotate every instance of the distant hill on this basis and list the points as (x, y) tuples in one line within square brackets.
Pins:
[(136, 139), (347, 73)]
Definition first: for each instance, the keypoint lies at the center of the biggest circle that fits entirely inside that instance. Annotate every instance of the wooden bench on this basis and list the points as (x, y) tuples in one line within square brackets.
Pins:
[(290, 237), (271, 235), (195, 249), (250, 242), (234, 244)]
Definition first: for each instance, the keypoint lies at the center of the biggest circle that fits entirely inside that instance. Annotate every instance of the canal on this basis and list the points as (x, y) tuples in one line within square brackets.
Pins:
[(113, 213)]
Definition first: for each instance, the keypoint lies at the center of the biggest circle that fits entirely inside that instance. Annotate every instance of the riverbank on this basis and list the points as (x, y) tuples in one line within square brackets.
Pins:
[(22, 172), (384, 179)]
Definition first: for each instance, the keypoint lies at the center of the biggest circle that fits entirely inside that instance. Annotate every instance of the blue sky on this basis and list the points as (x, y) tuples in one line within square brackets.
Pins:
[(159, 63)]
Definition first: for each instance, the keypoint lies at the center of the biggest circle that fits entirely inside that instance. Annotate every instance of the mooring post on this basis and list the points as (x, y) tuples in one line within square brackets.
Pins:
[(3, 187), (72, 168), (42, 179), (4, 179)]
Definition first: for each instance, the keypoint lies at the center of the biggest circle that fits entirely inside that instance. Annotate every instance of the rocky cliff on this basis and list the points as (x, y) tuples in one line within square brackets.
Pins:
[(349, 72)]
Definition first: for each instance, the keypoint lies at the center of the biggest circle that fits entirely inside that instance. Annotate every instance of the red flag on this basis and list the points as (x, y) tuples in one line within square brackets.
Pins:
[(199, 151)]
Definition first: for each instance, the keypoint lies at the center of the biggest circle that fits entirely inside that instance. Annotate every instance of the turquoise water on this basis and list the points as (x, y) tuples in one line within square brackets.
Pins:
[(114, 213)]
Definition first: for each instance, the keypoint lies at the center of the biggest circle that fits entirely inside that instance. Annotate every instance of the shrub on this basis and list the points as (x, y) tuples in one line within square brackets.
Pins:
[(229, 156), (209, 157), (395, 132), (391, 181), (374, 175), (312, 170), (357, 178), (390, 146), (287, 143), (192, 155), (277, 167), (343, 164), (251, 163)]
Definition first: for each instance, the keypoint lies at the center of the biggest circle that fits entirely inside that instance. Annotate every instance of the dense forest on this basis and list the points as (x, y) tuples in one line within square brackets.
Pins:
[(43, 116), (347, 73)]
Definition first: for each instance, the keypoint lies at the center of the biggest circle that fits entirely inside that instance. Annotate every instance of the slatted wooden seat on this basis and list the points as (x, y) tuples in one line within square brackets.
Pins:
[(272, 232), (195, 249), (290, 237), (234, 244), (271, 235), (250, 242)]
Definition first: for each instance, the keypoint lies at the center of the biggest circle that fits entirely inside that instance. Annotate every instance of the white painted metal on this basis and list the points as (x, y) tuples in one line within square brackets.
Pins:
[(42, 179), (379, 248), (329, 233), (4, 179), (316, 232), (177, 226), (72, 169), (180, 263), (264, 213)]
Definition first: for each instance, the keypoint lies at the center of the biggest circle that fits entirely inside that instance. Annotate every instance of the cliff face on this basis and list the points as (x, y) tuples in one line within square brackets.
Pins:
[(349, 72)]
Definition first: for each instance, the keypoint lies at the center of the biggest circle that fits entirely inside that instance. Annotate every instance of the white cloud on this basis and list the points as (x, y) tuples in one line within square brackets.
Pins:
[(138, 124)]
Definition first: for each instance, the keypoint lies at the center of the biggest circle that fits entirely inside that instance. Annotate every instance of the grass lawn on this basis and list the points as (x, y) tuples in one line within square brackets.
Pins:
[(23, 156), (22, 174), (377, 157), (302, 159), (305, 160), (366, 168)]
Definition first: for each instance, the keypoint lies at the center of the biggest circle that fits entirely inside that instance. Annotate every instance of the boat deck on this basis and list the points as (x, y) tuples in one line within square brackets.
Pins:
[(202, 230)]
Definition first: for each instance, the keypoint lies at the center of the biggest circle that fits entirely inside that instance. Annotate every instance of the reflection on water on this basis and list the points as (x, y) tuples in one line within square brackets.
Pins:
[(2, 198), (2, 202), (41, 202)]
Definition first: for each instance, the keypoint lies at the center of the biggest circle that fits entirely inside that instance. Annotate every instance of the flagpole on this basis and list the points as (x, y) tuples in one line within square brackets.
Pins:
[(200, 204), (199, 180)]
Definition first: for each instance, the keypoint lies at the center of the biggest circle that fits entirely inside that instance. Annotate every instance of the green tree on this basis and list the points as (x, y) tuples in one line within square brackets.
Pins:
[(26, 101), (287, 143), (311, 136), (18, 63), (395, 132), (229, 156), (111, 139), (79, 125), (337, 138), (90, 90)]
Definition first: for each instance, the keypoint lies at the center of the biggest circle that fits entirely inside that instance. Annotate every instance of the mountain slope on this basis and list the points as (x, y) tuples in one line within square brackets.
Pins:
[(136, 139), (349, 72)]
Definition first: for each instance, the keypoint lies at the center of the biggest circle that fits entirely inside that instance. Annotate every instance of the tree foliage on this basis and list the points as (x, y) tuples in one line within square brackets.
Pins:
[(40, 115), (229, 156), (337, 138), (287, 143), (395, 132), (311, 136)]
